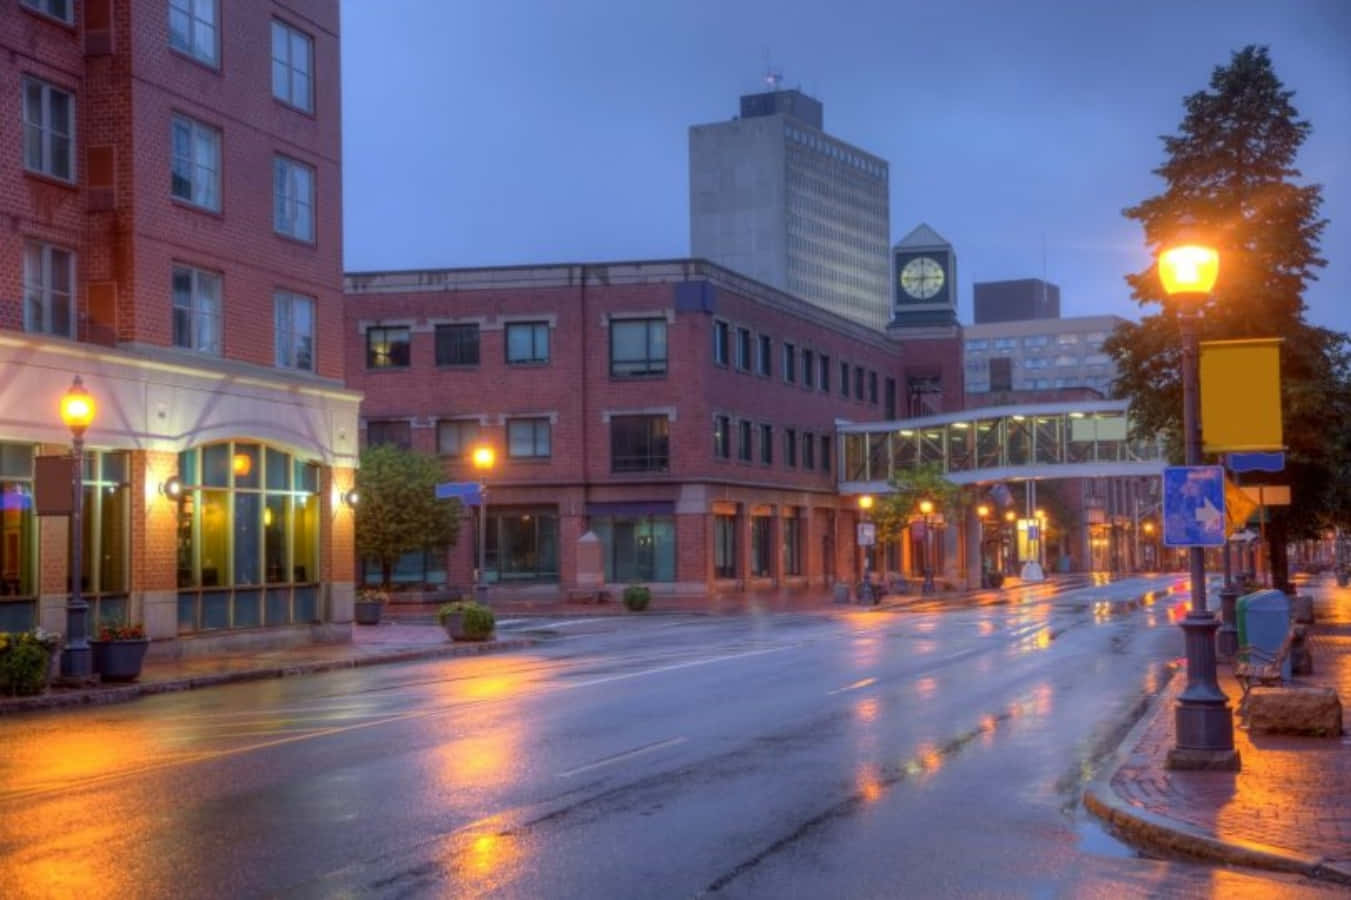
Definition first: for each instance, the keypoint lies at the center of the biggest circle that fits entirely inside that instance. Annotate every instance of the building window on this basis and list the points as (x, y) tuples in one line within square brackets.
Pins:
[(808, 450), (637, 347), (724, 546), (790, 447), (295, 330), (522, 544), (890, 399), (417, 567), (826, 452), (527, 343), (48, 289), (387, 347), (792, 543), (106, 527), (196, 309), (193, 29), (48, 130), (808, 369), (825, 373), (195, 176), (1063, 339), (743, 446), (789, 362), (637, 548), (844, 379), (720, 341), (1001, 373), (57, 9), (455, 437), (767, 444), (457, 345), (18, 539), (395, 432), (743, 349), (248, 538), (528, 438), (292, 65), (293, 199), (640, 443), (761, 548), (858, 382), (722, 438), (872, 388), (764, 363)]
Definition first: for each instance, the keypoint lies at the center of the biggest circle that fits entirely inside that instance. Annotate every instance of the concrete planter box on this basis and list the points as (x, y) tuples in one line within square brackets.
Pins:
[(367, 612), (119, 660)]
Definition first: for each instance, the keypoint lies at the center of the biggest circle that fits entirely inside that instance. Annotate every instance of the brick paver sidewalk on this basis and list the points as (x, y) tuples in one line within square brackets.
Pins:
[(1293, 795)]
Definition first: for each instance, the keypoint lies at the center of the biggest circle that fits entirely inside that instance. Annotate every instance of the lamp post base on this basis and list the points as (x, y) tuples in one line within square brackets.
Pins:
[(77, 658), (1228, 637), (1203, 722), (1182, 759)]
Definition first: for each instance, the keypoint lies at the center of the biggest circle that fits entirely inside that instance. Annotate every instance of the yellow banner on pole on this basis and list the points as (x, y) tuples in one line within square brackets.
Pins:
[(1238, 506), (1241, 396)]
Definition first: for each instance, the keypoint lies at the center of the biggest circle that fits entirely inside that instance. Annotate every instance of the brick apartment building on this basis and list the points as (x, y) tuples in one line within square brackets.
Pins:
[(170, 232), (682, 413)]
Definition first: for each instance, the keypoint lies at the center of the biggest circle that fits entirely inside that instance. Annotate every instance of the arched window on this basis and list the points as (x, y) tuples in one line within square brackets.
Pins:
[(248, 538)]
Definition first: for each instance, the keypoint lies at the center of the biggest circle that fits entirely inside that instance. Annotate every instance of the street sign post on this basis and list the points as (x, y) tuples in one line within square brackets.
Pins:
[(1193, 506), (867, 534)]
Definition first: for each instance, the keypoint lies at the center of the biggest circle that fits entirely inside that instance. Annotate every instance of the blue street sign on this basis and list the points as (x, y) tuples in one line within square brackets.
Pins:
[(470, 493), (1255, 462), (1193, 506)]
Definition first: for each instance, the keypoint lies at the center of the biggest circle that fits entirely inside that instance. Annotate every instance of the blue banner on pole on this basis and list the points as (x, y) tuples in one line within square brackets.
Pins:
[(467, 492), (1255, 462), (1193, 506)]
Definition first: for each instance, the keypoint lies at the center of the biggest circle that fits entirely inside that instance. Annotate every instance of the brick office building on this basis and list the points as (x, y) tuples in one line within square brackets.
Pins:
[(170, 208), (681, 412)]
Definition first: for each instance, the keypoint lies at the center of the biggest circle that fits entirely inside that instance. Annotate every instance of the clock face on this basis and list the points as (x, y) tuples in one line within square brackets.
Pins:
[(922, 277)]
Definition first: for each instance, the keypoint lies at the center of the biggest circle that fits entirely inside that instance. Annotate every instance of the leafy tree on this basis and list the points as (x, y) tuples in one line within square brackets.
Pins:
[(892, 512), (1229, 174), (398, 512)]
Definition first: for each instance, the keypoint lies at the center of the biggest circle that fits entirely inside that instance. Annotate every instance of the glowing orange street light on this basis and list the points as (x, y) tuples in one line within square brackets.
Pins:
[(983, 511), (865, 502), (926, 507), (1010, 516), (1149, 527), (484, 457), (1189, 269), (77, 408)]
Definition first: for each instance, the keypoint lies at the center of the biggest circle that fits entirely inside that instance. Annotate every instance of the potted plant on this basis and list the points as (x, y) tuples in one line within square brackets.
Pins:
[(370, 604), (25, 661), (467, 621), (637, 597), (119, 651)]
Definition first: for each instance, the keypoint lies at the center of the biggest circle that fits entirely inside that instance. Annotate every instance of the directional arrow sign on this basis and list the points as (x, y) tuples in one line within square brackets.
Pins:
[(1193, 506)]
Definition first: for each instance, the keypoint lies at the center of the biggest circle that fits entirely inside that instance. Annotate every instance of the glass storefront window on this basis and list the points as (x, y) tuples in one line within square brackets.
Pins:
[(105, 545), (637, 548), (18, 532), (760, 546), (522, 544), (792, 544), (724, 546)]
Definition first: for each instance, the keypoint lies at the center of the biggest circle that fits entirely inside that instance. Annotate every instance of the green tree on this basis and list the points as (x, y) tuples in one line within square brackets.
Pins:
[(893, 511), (398, 511), (1230, 174)]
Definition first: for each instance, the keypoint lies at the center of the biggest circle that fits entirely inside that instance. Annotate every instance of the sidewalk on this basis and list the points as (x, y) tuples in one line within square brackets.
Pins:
[(370, 645), (1289, 809)]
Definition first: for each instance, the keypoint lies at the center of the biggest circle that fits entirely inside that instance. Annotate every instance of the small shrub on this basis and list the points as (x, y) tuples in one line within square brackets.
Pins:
[(478, 622), (637, 597), (373, 595), (121, 631), (24, 658)]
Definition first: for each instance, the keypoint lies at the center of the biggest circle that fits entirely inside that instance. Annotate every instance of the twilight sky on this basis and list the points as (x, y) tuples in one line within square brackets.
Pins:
[(494, 132)]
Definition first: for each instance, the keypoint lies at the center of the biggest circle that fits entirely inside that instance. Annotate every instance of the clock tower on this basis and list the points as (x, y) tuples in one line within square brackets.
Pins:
[(924, 281)]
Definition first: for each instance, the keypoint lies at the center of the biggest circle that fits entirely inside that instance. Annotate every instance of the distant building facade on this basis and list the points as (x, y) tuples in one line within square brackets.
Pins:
[(1015, 301), (682, 413), (1039, 355), (777, 199)]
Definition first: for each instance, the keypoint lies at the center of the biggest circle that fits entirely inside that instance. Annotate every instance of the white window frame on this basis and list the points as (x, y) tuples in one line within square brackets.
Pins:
[(41, 287), (190, 11), (287, 335), (289, 209), (43, 7), (197, 311), (287, 63), (39, 123), (200, 171)]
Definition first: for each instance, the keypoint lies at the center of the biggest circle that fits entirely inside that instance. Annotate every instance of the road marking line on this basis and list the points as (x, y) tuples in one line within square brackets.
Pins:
[(853, 687), (620, 757), (685, 665)]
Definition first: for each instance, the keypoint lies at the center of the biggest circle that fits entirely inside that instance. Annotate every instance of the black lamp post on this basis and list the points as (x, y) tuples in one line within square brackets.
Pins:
[(1204, 722), (926, 508), (77, 412)]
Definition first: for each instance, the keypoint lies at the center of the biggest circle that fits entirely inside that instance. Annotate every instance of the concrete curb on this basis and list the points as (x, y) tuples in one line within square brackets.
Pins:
[(1150, 831), (125, 693)]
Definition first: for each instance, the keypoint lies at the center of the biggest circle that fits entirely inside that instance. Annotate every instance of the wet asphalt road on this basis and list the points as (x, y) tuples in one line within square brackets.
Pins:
[(928, 751)]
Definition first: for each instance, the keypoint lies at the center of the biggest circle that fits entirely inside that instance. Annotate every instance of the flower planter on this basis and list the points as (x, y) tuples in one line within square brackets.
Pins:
[(368, 612), (119, 660), (454, 625)]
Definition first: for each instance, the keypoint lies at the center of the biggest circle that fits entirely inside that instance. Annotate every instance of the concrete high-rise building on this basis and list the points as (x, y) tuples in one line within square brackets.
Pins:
[(1016, 301), (774, 197), (1039, 355)]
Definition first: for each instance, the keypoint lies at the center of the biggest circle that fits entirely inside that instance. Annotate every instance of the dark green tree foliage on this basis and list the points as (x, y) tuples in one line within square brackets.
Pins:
[(892, 512), (398, 511), (1230, 176)]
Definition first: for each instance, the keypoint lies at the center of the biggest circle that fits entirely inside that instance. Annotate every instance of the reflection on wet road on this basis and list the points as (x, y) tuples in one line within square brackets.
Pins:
[(929, 750)]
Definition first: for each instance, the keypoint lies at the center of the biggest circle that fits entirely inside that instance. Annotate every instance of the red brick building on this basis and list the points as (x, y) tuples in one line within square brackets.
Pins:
[(682, 413), (170, 231)]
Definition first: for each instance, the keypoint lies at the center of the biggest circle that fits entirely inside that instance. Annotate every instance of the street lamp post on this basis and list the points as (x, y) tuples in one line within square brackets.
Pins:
[(1204, 723), (77, 412), (1011, 564), (483, 457), (926, 508), (865, 503), (982, 511)]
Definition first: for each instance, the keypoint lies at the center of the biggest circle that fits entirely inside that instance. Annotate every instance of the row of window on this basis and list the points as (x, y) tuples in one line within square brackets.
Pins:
[(725, 544), (836, 152), (1094, 339), (811, 368), (194, 29), (793, 442)]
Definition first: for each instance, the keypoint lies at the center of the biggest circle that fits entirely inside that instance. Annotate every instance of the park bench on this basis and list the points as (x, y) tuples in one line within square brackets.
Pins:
[(1255, 666)]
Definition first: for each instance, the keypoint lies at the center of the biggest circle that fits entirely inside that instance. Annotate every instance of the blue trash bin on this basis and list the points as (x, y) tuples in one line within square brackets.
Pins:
[(1264, 621)]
